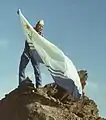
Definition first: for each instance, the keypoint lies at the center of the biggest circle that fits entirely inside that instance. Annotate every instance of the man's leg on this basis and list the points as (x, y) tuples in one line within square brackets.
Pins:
[(35, 65), (23, 63)]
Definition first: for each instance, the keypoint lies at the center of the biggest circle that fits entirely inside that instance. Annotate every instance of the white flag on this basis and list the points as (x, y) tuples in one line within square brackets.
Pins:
[(59, 65)]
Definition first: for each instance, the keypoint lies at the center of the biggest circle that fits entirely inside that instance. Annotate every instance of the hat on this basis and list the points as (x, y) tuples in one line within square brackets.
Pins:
[(41, 22)]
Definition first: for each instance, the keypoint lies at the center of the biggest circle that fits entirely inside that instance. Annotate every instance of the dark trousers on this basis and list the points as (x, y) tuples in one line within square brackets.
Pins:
[(28, 55)]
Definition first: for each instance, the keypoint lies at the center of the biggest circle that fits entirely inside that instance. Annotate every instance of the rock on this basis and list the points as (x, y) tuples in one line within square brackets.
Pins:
[(44, 104)]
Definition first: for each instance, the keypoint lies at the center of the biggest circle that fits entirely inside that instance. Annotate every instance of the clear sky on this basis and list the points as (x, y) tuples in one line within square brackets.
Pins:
[(78, 27)]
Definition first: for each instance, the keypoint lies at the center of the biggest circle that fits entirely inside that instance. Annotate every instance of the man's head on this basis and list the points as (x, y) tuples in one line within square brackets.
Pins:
[(39, 26), (83, 77)]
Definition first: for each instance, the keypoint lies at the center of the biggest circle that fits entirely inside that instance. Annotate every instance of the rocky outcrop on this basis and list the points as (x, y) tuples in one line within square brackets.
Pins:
[(44, 104)]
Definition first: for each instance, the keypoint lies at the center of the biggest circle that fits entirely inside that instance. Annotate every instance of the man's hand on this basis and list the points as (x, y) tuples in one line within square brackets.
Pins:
[(18, 11)]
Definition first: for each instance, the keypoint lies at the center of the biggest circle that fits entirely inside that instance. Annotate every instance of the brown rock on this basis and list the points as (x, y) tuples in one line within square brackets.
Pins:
[(44, 104)]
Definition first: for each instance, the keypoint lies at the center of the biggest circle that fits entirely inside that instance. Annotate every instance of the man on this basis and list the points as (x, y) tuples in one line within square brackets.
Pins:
[(58, 64), (28, 55), (83, 77)]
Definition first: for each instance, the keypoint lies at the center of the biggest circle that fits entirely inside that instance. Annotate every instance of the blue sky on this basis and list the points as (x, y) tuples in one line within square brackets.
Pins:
[(78, 27)]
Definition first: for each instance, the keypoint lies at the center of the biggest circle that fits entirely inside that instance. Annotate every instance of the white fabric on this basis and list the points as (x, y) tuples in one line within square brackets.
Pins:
[(57, 62)]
